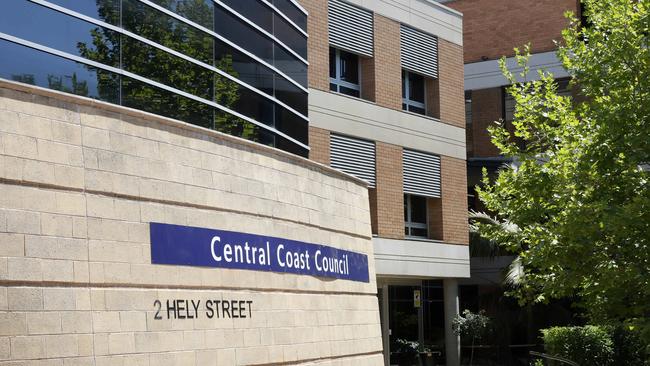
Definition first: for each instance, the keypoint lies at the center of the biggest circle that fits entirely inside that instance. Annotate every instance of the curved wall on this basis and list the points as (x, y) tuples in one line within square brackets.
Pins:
[(80, 182)]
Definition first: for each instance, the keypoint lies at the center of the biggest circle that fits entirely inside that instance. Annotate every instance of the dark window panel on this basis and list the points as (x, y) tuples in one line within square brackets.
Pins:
[(233, 125), (155, 64), (332, 62), (246, 69), (50, 28), (291, 124), (349, 91), (104, 10), (290, 65), (415, 109), (333, 87), (233, 96), (419, 210), (142, 96), (289, 146), (198, 11), (38, 68), (253, 10), (240, 33), (349, 66), (290, 94), (167, 31), (292, 12), (416, 87), (289, 35)]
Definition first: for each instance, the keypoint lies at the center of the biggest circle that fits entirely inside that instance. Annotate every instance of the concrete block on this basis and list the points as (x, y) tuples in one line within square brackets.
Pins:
[(27, 347), (24, 269), (25, 222), (61, 346), (55, 248), (12, 245), (66, 132), (13, 324), (76, 322), (20, 146), (59, 299), (56, 225), (43, 323), (57, 270), (120, 343)]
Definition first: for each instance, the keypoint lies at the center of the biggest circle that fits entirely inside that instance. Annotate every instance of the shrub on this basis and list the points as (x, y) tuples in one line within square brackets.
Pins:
[(597, 346), (588, 345)]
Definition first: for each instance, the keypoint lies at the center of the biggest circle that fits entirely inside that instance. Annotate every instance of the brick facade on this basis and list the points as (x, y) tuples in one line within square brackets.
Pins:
[(317, 44), (451, 83), (390, 191), (492, 28), (388, 67), (487, 107), (454, 201), (319, 144)]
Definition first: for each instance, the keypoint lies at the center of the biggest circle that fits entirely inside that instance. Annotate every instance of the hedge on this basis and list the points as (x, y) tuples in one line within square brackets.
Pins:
[(595, 345)]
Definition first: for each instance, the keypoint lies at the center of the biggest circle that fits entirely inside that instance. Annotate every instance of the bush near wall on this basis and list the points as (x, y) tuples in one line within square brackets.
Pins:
[(596, 345)]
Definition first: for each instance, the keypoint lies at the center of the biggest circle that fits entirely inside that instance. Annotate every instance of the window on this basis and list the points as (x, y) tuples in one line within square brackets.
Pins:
[(344, 72), (413, 92), (415, 216), (468, 108)]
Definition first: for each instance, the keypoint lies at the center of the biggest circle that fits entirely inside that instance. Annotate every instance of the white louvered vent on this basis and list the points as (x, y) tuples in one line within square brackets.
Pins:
[(353, 156), (421, 173), (350, 28), (419, 51)]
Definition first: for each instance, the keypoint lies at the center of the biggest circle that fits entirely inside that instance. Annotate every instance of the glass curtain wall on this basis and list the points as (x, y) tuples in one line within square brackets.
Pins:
[(236, 66)]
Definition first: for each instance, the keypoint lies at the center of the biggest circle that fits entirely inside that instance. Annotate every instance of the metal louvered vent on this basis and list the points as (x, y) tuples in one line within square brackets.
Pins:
[(419, 51), (421, 173), (350, 28), (353, 156)]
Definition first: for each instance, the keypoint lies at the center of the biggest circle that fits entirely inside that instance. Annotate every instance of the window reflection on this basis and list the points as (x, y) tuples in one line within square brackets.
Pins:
[(60, 31), (49, 71)]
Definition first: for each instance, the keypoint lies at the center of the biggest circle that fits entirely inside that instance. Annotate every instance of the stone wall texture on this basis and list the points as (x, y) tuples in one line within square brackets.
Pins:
[(80, 181)]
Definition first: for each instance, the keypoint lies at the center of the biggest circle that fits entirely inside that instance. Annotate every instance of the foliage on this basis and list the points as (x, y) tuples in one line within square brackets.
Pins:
[(589, 345), (577, 190), (471, 325), (412, 348), (593, 345)]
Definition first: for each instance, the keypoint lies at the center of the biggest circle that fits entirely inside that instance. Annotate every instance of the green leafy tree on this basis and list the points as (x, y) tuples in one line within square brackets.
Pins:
[(575, 202)]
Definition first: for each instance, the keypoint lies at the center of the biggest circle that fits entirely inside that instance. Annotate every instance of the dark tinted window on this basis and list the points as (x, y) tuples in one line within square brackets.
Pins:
[(290, 36), (292, 12), (416, 87), (418, 209), (138, 95), (53, 72), (289, 64), (240, 33), (291, 124), (231, 95), (290, 94), (233, 125), (198, 11), (349, 66), (239, 65), (50, 28), (253, 10), (105, 10), (152, 63), (167, 31)]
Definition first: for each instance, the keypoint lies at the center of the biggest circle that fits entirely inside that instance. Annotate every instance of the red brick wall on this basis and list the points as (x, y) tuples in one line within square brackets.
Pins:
[(492, 28), (317, 44), (390, 191), (455, 228), (451, 83), (388, 67), (487, 107), (319, 144)]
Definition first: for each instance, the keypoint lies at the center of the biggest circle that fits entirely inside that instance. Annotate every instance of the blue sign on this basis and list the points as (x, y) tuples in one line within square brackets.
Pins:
[(194, 246)]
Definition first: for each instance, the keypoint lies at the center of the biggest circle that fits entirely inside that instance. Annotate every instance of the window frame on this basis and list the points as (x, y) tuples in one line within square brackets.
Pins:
[(409, 224), (336, 80), (406, 101)]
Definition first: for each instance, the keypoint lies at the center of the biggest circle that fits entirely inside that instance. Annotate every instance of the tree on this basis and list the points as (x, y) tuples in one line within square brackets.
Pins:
[(575, 199)]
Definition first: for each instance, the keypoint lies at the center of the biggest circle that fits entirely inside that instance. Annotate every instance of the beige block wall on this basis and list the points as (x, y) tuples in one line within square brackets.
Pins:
[(79, 183)]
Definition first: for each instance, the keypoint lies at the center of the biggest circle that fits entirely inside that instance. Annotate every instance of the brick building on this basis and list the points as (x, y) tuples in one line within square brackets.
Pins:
[(385, 105)]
